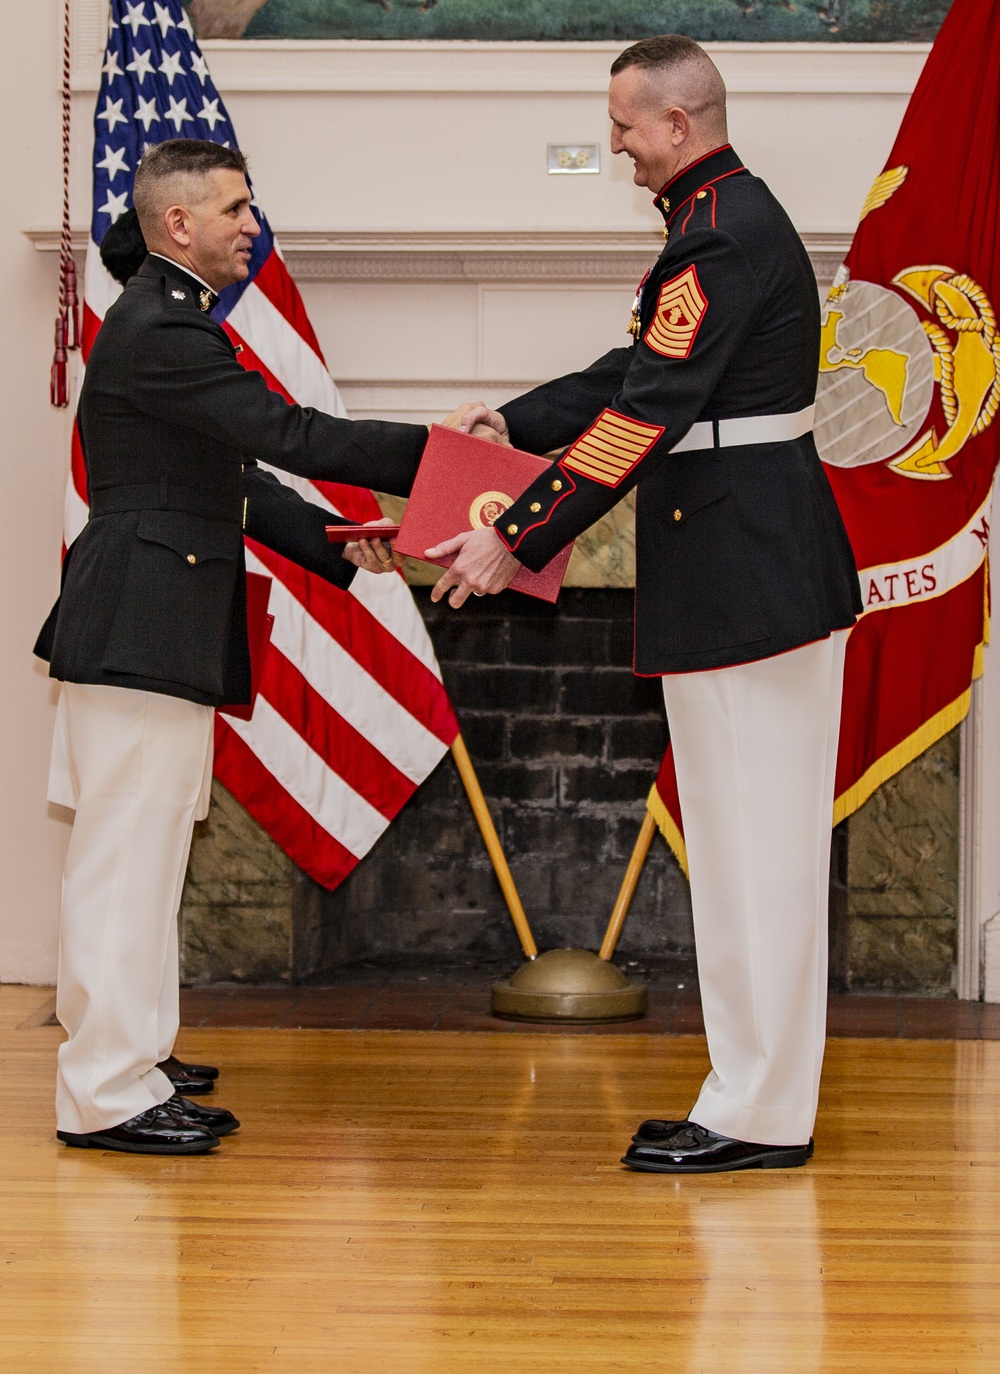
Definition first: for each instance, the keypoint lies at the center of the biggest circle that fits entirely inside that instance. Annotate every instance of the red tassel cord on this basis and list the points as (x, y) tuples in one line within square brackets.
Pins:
[(68, 319)]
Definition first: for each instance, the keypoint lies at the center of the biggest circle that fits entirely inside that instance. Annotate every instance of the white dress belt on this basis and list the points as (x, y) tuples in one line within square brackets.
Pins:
[(747, 429)]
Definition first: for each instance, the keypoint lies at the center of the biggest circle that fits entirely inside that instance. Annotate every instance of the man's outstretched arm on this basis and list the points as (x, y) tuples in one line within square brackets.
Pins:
[(279, 518)]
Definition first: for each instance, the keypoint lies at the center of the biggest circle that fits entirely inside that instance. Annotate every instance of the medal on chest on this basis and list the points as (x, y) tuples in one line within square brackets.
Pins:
[(635, 319)]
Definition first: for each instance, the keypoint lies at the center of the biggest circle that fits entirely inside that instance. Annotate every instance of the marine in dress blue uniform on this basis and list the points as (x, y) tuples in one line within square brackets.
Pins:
[(150, 633), (745, 590), (740, 549)]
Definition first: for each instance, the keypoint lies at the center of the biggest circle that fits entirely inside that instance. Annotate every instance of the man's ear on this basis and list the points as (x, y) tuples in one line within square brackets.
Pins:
[(175, 221), (679, 124)]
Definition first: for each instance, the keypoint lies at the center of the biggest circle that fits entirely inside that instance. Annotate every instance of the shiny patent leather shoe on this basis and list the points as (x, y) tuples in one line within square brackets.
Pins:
[(193, 1080), (217, 1119), (197, 1070), (692, 1149), (158, 1131), (655, 1130)]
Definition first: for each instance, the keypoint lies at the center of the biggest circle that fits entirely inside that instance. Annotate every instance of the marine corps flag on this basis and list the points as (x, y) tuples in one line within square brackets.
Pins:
[(906, 416)]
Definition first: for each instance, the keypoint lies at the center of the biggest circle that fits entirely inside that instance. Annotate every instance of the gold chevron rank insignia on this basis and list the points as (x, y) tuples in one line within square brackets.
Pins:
[(611, 448), (679, 313)]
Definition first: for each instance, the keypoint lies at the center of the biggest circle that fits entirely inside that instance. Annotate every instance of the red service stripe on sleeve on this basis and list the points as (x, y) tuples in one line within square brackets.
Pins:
[(611, 448)]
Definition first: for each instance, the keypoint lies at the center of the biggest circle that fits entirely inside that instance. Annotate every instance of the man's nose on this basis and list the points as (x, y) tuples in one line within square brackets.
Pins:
[(250, 227), (616, 143)]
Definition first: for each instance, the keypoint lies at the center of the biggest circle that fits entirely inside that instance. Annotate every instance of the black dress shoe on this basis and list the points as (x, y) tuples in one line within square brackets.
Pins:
[(198, 1070), (201, 1071), (193, 1080), (692, 1149), (158, 1131), (217, 1119), (655, 1130)]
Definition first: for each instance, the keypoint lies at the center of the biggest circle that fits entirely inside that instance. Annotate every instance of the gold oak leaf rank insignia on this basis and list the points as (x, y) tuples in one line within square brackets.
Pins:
[(679, 313)]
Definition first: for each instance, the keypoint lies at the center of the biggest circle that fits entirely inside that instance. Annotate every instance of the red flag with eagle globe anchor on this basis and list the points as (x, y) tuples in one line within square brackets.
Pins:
[(906, 417)]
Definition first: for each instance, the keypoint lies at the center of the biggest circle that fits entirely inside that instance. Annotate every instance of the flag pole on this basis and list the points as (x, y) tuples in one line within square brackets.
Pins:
[(627, 890), (562, 984), (492, 841), (567, 984)]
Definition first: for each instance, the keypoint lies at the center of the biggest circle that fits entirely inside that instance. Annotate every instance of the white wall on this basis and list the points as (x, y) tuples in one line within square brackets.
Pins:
[(33, 449), (436, 257)]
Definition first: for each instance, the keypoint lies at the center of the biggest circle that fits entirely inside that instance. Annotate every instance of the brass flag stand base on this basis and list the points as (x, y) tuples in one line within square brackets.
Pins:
[(569, 985), (562, 984), (576, 984)]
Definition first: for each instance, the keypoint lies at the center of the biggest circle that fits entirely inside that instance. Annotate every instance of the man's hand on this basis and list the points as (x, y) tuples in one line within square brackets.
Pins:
[(484, 564), (374, 555), (476, 418)]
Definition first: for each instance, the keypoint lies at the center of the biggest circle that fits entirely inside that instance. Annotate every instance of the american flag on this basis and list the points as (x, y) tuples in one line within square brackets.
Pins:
[(352, 715)]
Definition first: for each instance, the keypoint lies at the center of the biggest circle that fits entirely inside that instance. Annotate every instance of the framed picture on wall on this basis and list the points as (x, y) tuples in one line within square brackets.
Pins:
[(753, 21)]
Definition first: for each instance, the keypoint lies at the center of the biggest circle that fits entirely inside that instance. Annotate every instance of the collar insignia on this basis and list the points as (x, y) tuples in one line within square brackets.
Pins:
[(206, 299), (178, 295)]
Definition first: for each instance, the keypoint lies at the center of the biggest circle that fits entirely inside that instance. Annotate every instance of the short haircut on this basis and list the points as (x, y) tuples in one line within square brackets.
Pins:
[(663, 51), (171, 162), (689, 74)]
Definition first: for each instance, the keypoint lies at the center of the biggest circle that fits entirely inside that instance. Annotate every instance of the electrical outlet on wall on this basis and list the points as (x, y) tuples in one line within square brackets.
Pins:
[(573, 158)]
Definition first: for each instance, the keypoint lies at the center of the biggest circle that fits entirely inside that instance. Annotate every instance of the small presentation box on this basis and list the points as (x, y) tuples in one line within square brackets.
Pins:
[(349, 534)]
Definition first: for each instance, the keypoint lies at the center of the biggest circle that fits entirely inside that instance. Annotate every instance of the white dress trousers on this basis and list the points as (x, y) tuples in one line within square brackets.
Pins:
[(136, 767), (755, 751)]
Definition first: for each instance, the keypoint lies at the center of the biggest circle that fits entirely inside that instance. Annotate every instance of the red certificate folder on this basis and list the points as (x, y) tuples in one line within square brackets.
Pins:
[(464, 484), (259, 626)]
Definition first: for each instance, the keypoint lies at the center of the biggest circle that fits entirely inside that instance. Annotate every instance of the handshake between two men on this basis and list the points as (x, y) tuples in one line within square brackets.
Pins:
[(745, 588), (482, 563)]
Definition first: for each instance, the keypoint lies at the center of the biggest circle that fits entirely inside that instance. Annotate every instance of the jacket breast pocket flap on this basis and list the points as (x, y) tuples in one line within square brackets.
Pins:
[(194, 538)]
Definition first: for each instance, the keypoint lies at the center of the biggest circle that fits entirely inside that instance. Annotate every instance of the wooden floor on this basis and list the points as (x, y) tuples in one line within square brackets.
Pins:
[(450, 999), (452, 1204)]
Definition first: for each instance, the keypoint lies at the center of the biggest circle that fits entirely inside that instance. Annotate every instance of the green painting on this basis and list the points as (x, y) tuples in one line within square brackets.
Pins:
[(755, 21)]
